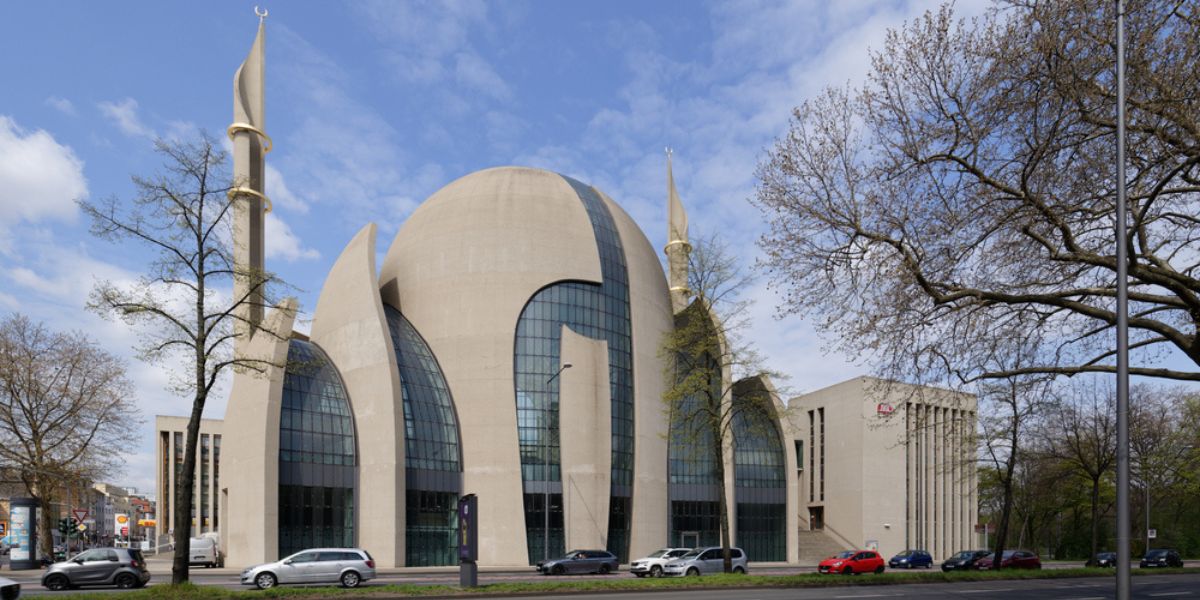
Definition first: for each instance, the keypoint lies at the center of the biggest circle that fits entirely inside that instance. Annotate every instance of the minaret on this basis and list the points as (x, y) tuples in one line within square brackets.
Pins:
[(250, 203), (677, 248)]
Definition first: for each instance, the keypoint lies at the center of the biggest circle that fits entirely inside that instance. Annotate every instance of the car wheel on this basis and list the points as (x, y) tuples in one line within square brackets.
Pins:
[(265, 581), (57, 583), (125, 581), (693, 572), (656, 571), (739, 571), (604, 568), (879, 570), (350, 579), (558, 570)]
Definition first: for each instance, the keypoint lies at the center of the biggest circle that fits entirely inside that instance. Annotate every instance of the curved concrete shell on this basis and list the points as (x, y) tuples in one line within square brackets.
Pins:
[(462, 269), (350, 326)]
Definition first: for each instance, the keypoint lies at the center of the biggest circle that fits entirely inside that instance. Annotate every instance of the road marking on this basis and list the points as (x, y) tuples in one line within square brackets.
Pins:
[(986, 591), (1171, 594), (866, 596)]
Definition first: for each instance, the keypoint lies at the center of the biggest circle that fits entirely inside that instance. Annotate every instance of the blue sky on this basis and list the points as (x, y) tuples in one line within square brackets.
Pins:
[(373, 106)]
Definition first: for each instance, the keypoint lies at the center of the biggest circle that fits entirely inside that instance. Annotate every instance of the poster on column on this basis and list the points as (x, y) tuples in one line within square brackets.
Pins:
[(22, 517)]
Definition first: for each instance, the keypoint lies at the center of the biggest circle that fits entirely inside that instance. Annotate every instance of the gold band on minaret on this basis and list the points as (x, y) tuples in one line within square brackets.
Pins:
[(242, 190), (236, 127)]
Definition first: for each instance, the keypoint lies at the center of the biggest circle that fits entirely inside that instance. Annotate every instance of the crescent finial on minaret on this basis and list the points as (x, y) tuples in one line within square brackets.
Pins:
[(262, 14)]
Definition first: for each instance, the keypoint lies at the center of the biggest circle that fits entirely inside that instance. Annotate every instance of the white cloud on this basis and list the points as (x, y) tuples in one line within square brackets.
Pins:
[(62, 105), (124, 113), (473, 72), (280, 194), (39, 178), (282, 243)]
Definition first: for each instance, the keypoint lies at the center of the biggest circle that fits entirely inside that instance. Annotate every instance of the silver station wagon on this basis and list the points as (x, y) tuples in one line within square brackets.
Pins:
[(347, 566)]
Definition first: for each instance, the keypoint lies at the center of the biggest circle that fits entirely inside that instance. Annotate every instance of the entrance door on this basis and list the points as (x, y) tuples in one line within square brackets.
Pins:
[(816, 518), (689, 539)]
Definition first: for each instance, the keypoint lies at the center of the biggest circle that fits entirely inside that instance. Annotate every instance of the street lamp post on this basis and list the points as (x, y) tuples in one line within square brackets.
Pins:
[(546, 471), (1123, 583)]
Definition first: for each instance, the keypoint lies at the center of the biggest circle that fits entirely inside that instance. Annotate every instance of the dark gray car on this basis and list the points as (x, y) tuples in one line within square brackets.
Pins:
[(580, 561), (122, 567)]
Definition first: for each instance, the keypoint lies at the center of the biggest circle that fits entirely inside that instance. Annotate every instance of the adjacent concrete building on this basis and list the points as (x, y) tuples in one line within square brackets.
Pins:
[(888, 465), (206, 511)]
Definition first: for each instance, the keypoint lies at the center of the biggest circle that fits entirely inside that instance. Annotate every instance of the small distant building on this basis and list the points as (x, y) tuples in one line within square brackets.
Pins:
[(888, 465), (172, 434)]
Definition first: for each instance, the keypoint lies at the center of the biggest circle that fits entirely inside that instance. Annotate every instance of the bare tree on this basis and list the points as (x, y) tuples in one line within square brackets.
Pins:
[(1080, 432), (966, 191), (1007, 412), (716, 389), (66, 413), (189, 314)]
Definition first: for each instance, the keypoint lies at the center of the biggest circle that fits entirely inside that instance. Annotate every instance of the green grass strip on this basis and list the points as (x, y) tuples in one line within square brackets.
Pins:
[(624, 583)]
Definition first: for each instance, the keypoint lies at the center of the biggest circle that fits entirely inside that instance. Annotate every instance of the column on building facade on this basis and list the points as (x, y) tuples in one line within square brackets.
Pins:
[(929, 474)]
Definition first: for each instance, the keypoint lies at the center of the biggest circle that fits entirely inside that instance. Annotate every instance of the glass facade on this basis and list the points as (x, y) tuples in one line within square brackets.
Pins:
[(432, 459), (695, 523), (760, 475), (599, 312), (316, 454)]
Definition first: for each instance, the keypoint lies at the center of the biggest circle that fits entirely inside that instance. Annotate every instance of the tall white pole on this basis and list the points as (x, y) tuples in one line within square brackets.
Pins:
[(1123, 524)]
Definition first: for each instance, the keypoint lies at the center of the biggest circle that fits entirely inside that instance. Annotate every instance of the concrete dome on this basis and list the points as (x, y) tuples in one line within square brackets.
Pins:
[(461, 270)]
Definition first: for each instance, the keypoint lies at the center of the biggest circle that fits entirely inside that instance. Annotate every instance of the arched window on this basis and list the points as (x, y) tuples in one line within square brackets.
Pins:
[(316, 454), (760, 474)]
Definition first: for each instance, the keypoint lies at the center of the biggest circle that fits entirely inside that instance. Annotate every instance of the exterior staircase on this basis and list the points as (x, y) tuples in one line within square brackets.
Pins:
[(816, 546)]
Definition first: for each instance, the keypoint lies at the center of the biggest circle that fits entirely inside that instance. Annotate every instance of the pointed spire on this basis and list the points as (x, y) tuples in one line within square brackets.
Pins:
[(677, 222), (678, 248), (249, 198)]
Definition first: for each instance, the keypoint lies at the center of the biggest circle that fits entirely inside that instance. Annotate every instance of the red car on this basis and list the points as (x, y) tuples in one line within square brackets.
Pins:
[(853, 562), (1013, 559)]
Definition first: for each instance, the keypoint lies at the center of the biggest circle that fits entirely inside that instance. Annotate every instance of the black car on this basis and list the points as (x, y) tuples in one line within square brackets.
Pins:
[(1105, 559), (964, 561), (1161, 558), (122, 567), (580, 561)]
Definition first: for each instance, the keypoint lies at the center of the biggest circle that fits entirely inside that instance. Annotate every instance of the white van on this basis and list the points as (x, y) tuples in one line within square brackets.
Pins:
[(204, 551)]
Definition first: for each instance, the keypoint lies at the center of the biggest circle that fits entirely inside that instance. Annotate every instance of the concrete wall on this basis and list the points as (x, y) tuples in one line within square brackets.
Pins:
[(250, 446), (650, 307), (585, 437), (350, 326)]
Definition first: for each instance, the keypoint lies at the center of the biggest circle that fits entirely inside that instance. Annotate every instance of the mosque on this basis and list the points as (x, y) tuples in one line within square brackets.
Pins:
[(508, 346)]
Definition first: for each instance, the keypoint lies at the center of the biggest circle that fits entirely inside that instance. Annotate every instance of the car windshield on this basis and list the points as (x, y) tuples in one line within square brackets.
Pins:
[(1156, 554), (691, 554), (963, 555), (1009, 553), (905, 553), (846, 554), (657, 553)]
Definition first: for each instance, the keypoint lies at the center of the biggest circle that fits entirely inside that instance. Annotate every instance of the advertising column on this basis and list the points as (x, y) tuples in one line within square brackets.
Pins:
[(23, 525)]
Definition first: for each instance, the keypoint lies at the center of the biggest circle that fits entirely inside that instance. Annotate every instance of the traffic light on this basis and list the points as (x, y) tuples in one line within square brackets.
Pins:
[(66, 526)]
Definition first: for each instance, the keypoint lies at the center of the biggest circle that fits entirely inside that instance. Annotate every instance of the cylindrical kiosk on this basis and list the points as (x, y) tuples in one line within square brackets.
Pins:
[(23, 528)]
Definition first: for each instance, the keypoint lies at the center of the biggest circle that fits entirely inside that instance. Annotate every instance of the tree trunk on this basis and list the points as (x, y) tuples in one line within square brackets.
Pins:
[(46, 524), (723, 507), (1006, 508), (183, 495), (1095, 498)]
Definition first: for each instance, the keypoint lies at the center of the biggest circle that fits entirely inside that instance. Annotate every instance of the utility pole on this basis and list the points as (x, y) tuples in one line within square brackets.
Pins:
[(546, 474), (1123, 558)]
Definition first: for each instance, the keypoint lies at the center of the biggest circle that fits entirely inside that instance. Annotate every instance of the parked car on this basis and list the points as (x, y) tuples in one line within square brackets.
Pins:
[(1105, 559), (911, 559), (852, 562), (204, 551), (1013, 559), (347, 566), (9, 589), (963, 560), (1161, 558), (705, 560), (122, 567), (581, 561), (652, 565)]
